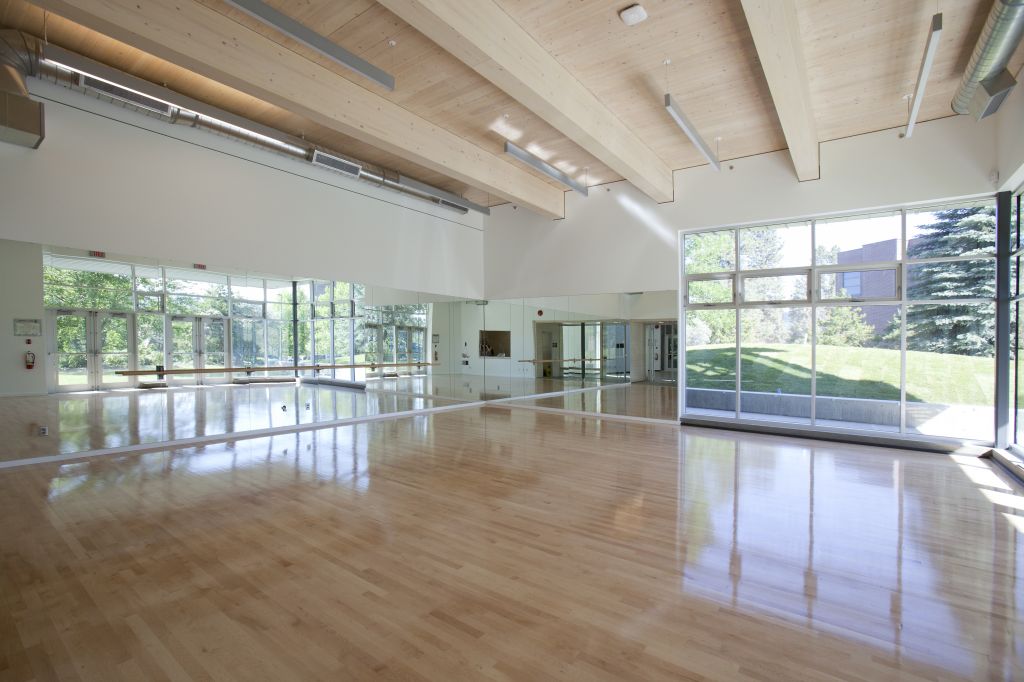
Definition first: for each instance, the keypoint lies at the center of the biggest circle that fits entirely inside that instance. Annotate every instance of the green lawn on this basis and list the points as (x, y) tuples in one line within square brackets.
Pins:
[(846, 372)]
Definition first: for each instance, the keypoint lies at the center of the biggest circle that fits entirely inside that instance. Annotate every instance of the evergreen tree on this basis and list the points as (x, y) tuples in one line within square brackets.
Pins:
[(961, 329)]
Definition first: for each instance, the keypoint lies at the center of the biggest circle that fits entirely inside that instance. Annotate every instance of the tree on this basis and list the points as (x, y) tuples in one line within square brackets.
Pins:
[(844, 326), (962, 329)]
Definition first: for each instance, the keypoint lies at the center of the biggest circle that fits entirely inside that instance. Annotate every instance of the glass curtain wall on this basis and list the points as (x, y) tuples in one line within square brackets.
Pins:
[(880, 322), (193, 317)]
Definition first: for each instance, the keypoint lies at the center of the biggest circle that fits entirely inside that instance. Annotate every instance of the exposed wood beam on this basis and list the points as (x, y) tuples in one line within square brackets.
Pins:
[(207, 42), (773, 25), (488, 40)]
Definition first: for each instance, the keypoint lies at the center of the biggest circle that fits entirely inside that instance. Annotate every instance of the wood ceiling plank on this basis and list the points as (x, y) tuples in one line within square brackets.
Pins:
[(487, 39), (714, 75), (863, 58), (194, 36), (776, 32)]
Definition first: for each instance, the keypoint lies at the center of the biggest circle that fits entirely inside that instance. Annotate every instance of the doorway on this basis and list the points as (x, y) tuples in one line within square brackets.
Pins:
[(89, 348), (662, 352), (199, 343)]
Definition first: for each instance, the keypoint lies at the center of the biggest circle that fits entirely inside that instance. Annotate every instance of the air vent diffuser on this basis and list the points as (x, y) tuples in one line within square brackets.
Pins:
[(336, 163), (125, 95)]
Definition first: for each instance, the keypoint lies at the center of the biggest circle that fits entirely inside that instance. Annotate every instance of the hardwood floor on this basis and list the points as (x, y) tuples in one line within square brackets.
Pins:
[(499, 544), (649, 401)]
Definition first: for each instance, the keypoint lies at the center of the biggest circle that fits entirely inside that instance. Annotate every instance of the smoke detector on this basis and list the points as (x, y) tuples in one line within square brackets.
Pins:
[(633, 15)]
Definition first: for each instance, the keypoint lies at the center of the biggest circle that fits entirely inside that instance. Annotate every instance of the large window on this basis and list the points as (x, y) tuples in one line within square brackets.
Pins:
[(880, 322), (191, 317)]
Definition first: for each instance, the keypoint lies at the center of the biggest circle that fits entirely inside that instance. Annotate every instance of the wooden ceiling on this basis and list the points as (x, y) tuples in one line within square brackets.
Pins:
[(861, 60)]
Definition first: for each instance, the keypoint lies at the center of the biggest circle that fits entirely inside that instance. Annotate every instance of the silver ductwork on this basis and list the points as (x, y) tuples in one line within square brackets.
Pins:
[(86, 75), (21, 118), (986, 82)]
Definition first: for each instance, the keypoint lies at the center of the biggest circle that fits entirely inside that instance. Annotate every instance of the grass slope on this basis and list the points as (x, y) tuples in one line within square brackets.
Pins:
[(846, 372)]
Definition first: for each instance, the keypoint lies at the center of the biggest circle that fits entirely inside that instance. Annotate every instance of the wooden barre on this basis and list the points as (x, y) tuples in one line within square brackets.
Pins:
[(250, 370)]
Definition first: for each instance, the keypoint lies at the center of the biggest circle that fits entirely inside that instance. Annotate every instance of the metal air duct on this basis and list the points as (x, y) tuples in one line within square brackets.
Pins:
[(21, 118), (986, 82)]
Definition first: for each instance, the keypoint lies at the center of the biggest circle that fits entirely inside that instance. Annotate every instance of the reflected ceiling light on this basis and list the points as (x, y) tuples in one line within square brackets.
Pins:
[(271, 17), (544, 167), (691, 132), (922, 74)]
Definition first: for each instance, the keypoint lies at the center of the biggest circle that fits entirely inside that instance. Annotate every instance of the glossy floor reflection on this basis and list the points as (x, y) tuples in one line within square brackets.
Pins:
[(650, 401), (472, 387), (512, 544), (79, 422)]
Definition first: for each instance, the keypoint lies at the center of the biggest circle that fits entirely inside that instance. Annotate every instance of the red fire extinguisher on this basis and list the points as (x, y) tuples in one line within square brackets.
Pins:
[(30, 359)]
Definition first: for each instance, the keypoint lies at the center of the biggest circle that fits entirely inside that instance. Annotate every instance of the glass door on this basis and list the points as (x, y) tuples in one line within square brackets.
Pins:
[(182, 344), (671, 347), (614, 362), (113, 333), (213, 349), (572, 350), (72, 348), (90, 347), (592, 349), (402, 349)]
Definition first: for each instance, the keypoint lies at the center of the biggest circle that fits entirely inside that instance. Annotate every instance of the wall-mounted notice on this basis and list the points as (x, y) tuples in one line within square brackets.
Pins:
[(28, 327)]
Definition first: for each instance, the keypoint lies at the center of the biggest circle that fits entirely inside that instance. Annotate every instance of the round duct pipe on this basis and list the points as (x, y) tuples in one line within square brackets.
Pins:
[(996, 44)]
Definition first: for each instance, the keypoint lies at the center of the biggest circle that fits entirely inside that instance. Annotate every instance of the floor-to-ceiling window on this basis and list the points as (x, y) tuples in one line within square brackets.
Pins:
[(1016, 308), (880, 322)]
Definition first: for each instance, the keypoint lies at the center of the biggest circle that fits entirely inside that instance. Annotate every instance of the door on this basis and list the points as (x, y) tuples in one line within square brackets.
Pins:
[(90, 347), (113, 349), (670, 345), (182, 351), (73, 351), (654, 359), (613, 350), (213, 348), (197, 343)]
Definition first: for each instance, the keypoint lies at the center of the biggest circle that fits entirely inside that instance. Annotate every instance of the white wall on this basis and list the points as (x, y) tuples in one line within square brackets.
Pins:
[(21, 297), (617, 240), (1010, 139), (656, 306), (114, 180)]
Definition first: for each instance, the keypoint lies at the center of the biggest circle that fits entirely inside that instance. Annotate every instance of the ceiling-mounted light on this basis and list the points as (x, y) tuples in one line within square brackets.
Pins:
[(691, 132), (313, 40), (544, 167), (922, 74), (633, 15)]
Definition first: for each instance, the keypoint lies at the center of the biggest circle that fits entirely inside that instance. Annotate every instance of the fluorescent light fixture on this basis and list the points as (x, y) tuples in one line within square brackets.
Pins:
[(922, 74), (691, 132), (544, 167), (313, 40), (447, 199)]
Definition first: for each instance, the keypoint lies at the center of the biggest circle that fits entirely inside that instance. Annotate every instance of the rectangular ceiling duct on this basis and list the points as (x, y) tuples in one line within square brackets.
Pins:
[(544, 167), (990, 94), (336, 163), (266, 14), (447, 199), (124, 94)]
